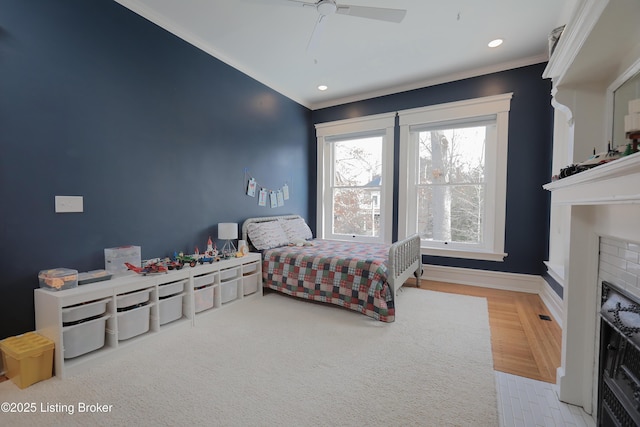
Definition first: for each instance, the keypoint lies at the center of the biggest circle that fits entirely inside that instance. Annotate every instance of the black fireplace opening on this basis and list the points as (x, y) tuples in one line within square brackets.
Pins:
[(619, 371)]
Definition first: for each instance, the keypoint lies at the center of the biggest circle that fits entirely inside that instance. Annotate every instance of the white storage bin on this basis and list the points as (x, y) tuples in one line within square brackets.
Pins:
[(204, 280), (250, 268), (170, 308), (250, 284), (133, 322), (171, 288), (83, 337), (132, 298), (229, 291), (86, 310), (229, 274), (203, 298)]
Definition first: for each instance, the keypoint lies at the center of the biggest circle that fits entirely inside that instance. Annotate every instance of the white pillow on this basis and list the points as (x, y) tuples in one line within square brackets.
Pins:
[(296, 229), (267, 235)]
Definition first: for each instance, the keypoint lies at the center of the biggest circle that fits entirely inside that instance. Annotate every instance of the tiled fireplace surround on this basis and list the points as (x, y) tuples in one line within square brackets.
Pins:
[(620, 263)]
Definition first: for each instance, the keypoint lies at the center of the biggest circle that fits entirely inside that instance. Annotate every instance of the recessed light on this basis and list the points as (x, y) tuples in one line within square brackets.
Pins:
[(323, 87), (495, 43)]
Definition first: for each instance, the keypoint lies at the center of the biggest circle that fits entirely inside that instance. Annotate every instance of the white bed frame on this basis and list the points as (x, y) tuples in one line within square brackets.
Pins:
[(405, 259)]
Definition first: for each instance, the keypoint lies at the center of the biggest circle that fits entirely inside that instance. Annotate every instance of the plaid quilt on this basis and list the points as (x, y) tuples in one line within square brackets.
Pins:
[(348, 274)]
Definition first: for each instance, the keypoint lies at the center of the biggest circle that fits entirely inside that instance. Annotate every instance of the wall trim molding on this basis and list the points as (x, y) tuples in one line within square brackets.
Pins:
[(528, 283)]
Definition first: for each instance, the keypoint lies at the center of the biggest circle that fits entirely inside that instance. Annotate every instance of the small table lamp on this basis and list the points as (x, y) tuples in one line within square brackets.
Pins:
[(228, 231)]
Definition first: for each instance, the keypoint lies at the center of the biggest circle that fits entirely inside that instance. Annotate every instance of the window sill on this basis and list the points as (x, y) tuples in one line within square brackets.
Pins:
[(453, 253)]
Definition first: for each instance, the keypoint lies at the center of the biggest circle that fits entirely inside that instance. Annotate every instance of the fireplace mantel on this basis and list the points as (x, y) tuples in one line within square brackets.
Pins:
[(611, 183), (598, 47)]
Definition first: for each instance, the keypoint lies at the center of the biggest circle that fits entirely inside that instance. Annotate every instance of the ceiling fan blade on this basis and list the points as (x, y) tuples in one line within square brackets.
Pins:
[(301, 2), (317, 33), (378, 13)]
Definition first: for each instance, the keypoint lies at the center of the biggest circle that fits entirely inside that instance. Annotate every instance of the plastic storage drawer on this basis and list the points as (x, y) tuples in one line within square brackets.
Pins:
[(203, 298), (133, 322), (132, 299), (229, 291), (250, 284), (86, 310), (170, 308), (229, 274), (204, 280), (83, 337), (171, 288), (250, 268)]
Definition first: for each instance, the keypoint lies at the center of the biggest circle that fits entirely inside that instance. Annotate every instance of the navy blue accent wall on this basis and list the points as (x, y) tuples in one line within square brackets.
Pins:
[(529, 157), (557, 287), (154, 134)]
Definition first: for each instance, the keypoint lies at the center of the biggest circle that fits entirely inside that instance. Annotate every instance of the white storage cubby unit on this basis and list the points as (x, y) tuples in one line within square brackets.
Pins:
[(91, 321)]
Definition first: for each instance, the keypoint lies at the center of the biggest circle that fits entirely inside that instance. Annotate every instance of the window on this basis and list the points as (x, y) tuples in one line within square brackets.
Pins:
[(355, 173), (453, 169)]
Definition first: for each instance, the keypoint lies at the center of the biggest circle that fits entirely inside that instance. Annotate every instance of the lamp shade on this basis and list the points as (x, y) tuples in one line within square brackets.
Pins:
[(227, 230)]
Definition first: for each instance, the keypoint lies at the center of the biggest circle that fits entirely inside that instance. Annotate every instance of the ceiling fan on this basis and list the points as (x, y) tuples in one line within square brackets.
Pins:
[(326, 8)]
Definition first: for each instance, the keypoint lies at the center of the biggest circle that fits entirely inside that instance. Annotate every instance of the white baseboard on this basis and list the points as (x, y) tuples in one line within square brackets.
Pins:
[(484, 278), (528, 283), (552, 301)]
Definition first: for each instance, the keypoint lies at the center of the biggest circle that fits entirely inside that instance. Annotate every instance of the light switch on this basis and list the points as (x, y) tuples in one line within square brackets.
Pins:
[(69, 204)]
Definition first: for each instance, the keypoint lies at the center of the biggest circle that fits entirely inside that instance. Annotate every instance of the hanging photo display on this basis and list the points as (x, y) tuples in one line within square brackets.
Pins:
[(251, 188), (276, 196)]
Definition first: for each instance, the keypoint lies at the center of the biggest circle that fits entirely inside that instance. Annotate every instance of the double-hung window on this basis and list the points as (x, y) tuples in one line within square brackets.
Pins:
[(355, 179), (453, 170)]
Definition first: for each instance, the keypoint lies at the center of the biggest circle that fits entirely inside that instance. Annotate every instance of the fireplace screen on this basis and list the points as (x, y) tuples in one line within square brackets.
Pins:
[(619, 376)]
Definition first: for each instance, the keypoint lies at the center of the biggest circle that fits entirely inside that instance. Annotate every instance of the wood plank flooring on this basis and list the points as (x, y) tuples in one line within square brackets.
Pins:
[(522, 343)]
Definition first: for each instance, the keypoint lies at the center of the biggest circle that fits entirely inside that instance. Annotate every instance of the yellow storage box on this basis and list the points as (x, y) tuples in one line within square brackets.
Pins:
[(27, 358)]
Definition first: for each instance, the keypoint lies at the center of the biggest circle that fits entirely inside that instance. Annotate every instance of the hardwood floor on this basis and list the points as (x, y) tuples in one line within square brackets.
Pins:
[(523, 344)]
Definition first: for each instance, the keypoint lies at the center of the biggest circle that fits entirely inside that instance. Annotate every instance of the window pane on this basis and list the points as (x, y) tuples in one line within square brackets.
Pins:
[(356, 212), (452, 156), (451, 213), (357, 162)]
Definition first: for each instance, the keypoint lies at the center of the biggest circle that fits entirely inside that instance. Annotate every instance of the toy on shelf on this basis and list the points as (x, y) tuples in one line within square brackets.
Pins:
[(186, 259), (211, 253), (202, 258), (171, 264), (596, 159), (150, 267)]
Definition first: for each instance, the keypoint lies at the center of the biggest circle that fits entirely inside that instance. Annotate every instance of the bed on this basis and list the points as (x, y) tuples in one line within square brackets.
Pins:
[(363, 277)]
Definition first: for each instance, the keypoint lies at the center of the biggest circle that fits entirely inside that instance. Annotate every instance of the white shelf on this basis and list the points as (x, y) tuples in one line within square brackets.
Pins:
[(49, 304)]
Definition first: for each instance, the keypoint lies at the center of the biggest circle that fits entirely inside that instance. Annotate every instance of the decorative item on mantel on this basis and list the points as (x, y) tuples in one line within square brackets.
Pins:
[(632, 125), (596, 159)]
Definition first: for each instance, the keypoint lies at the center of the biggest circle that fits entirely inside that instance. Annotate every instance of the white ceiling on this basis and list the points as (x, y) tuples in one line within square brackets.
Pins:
[(438, 41)]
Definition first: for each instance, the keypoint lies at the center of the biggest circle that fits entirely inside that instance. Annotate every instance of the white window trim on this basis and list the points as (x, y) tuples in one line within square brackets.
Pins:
[(496, 161), (382, 122)]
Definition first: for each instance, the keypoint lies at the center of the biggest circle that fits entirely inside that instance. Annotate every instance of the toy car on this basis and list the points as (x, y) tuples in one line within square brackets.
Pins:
[(183, 259), (207, 258), (172, 265)]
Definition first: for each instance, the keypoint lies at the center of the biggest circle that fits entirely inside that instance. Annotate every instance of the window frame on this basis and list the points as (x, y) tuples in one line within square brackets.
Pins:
[(495, 167), (326, 133)]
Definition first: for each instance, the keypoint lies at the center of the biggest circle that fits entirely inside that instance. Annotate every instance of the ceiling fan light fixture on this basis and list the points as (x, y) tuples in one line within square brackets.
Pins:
[(326, 7), (495, 43)]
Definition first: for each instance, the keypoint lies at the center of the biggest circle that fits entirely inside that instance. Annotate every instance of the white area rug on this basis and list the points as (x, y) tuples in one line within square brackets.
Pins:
[(278, 361)]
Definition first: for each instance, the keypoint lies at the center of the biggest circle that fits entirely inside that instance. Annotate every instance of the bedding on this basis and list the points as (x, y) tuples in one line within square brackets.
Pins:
[(349, 274)]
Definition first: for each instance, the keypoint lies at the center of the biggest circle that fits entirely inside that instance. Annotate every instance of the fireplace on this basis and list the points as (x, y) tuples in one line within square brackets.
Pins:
[(619, 372)]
